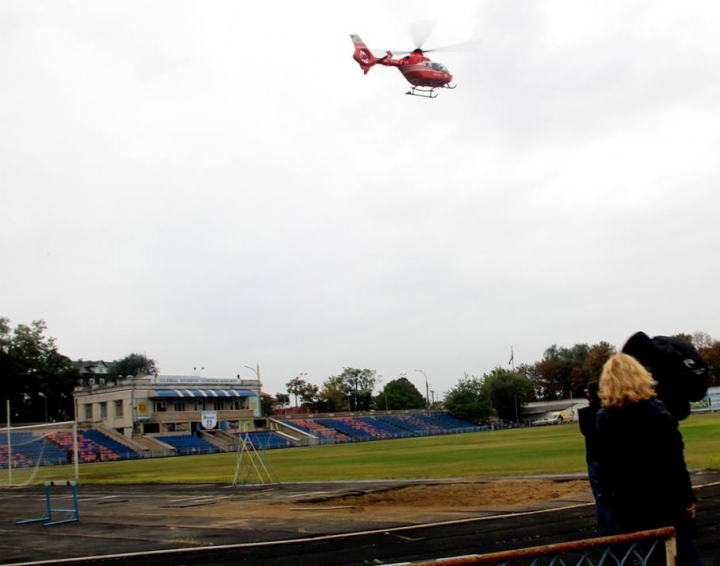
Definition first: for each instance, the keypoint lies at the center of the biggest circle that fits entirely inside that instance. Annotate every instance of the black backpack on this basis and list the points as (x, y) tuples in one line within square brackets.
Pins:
[(681, 373)]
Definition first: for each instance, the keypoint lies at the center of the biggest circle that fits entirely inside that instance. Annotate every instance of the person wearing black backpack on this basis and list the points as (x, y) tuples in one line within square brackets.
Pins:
[(680, 372), (643, 479)]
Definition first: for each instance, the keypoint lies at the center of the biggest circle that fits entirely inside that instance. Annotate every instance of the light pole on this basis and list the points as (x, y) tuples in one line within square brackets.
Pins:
[(255, 371), (197, 371), (41, 394), (427, 388), (379, 380), (432, 396)]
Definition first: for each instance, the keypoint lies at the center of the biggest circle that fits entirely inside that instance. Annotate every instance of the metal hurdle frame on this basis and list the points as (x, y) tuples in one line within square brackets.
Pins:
[(75, 511)]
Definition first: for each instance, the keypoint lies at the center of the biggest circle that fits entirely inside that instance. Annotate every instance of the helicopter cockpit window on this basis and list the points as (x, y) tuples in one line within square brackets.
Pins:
[(439, 67)]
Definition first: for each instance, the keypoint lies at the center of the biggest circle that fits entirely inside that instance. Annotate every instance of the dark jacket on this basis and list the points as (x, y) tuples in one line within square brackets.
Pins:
[(587, 417), (643, 478)]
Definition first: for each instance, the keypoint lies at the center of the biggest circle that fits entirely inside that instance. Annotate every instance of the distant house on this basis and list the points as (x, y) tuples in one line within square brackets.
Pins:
[(91, 369)]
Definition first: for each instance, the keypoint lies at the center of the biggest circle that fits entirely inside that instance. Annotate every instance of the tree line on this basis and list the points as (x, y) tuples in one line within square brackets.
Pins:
[(39, 380), (562, 373)]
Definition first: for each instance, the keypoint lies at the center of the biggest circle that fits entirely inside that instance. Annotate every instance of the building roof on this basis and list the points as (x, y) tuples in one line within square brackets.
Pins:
[(201, 393), (88, 366)]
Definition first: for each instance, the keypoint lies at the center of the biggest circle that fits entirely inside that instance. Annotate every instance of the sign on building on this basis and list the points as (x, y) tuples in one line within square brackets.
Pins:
[(209, 419)]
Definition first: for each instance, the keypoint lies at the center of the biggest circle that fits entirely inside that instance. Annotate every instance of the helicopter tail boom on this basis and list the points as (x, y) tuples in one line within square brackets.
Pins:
[(363, 55)]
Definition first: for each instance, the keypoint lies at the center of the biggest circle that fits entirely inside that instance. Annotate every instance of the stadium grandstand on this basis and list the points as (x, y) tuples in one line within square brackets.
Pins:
[(160, 416)]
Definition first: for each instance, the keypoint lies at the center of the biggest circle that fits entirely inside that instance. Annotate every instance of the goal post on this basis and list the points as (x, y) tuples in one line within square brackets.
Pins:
[(35, 454)]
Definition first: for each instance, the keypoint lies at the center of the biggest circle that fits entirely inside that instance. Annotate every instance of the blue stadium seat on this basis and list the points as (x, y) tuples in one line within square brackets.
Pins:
[(188, 444)]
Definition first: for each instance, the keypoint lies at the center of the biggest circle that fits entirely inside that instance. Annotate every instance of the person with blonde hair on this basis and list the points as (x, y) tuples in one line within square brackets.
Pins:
[(642, 476), (625, 381)]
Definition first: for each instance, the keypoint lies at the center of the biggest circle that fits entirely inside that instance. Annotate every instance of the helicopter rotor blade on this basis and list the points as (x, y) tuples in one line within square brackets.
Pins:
[(421, 30), (464, 47)]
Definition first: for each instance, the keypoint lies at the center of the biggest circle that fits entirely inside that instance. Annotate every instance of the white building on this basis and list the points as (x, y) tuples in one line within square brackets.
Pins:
[(167, 404)]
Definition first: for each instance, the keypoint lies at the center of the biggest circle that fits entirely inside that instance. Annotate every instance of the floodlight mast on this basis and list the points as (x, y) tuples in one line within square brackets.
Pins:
[(427, 388), (255, 371)]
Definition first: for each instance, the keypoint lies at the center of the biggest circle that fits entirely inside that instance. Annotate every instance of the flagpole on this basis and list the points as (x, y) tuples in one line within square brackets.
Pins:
[(512, 358)]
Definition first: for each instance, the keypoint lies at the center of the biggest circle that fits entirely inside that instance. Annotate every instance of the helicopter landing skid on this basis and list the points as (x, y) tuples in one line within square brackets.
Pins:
[(424, 92)]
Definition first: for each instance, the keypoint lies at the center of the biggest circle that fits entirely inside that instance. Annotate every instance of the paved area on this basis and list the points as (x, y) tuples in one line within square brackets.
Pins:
[(283, 524)]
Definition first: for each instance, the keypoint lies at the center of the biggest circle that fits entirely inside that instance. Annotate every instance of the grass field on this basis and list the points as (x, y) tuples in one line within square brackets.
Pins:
[(527, 451)]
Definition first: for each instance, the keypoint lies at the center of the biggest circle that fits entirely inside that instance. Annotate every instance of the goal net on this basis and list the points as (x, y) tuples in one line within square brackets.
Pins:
[(38, 454)]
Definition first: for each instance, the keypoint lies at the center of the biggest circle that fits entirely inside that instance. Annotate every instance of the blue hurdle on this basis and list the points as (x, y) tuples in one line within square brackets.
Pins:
[(75, 512)]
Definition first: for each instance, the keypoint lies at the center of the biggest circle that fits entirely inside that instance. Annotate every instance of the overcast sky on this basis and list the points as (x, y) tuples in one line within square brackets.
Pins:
[(217, 184)]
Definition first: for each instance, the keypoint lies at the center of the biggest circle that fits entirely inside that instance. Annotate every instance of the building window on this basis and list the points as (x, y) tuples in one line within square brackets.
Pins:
[(119, 408), (218, 404), (199, 404), (88, 412), (179, 405), (103, 410), (160, 406)]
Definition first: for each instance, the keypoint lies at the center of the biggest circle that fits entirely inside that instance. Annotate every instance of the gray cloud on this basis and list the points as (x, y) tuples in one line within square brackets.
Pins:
[(220, 186)]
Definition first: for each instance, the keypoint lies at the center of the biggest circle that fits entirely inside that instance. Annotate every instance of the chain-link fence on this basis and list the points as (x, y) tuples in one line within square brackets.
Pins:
[(645, 548)]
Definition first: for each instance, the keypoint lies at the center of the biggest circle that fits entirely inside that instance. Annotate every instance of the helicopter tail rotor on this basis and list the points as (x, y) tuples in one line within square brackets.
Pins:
[(363, 55)]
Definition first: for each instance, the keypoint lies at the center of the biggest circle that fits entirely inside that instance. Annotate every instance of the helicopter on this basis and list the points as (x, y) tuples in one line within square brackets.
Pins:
[(425, 76)]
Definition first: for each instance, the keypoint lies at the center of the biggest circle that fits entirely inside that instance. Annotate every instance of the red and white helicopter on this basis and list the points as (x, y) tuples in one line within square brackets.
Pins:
[(425, 76)]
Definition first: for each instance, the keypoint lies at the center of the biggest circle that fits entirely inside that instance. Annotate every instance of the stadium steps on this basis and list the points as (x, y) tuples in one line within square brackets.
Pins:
[(153, 444), (216, 438), (129, 443), (287, 436), (224, 440), (298, 434)]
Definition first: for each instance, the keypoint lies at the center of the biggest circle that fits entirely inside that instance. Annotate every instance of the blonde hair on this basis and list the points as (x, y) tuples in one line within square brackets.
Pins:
[(624, 381)]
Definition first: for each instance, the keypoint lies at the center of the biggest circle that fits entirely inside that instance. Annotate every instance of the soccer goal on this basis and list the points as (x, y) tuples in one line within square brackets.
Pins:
[(250, 465), (37, 454)]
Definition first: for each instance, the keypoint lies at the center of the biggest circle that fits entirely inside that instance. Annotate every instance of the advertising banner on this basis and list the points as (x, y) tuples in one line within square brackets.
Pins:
[(142, 410)]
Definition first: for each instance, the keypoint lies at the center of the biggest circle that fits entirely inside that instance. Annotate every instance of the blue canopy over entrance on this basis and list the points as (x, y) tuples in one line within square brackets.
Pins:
[(206, 393)]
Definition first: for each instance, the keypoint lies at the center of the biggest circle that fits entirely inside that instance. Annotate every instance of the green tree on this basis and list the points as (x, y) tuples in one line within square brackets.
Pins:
[(309, 395), (266, 406), (469, 400), (710, 352), (295, 387), (595, 360), (282, 398), (398, 395), (508, 391), (360, 384), (30, 365), (333, 395), (560, 373), (544, 377), (134, 365)]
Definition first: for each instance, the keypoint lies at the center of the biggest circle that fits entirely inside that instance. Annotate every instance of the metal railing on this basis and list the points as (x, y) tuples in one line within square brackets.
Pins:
[(644, 548)]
